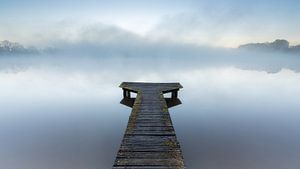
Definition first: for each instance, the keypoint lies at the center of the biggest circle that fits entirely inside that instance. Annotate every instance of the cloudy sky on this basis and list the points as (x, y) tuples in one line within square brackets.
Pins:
[(206, 22)]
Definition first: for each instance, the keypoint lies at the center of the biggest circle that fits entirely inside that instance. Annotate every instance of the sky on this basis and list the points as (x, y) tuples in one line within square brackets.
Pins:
[(207, 22)]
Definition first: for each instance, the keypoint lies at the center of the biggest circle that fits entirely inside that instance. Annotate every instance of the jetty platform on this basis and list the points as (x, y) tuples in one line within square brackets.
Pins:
[(150, 140)]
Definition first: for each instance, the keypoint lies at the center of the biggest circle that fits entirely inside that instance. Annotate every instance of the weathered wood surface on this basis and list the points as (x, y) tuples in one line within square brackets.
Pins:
[(149, 141)]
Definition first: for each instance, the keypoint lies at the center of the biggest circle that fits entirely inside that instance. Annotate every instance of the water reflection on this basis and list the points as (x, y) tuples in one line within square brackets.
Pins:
[(231, 118)]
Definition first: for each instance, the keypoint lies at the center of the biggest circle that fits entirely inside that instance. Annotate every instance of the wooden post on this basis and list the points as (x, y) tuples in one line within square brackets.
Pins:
[(174, 94), (126, 93)]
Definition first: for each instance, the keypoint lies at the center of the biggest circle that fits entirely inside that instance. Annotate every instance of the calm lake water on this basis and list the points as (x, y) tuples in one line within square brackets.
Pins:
[(68, 117)]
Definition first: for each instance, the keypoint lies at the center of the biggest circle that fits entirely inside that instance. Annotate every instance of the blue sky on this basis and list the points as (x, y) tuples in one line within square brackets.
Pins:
[(207, 22)]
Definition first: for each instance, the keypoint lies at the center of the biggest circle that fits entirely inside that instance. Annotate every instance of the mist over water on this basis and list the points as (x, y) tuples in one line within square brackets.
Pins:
[(62, 112)]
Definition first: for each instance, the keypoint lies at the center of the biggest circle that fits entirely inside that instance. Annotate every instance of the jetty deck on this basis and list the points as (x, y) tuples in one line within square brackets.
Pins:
[(149, 141)]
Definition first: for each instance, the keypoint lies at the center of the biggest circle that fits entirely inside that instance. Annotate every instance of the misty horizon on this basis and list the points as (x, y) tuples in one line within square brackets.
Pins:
[(61, 63)]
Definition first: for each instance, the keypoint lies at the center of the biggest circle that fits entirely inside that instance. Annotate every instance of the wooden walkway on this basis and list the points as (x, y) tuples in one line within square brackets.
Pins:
[(149, 141)]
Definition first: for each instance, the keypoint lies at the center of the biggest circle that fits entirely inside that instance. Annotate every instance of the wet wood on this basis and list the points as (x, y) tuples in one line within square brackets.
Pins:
[(150, 141)]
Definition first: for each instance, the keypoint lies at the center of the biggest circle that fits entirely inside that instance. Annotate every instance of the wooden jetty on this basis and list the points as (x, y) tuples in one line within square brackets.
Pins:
[(149, 141)]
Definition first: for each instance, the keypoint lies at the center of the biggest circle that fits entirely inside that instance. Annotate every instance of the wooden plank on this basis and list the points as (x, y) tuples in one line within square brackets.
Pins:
[(148, 162), (148, 155)]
